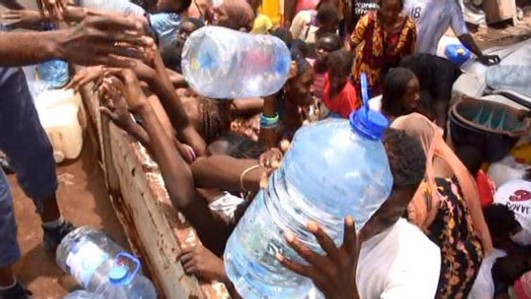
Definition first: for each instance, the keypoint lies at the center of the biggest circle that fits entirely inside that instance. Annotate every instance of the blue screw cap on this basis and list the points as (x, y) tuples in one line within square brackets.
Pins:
[(119, 272), (366, 122)]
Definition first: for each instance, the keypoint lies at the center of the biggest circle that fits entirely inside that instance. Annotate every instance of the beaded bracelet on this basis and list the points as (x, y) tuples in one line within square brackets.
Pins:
[(268, 122)]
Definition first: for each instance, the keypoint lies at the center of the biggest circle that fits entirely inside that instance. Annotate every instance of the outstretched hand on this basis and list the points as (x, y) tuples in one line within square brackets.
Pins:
[(114, 104), (201, 262), (85, 76), (111, 40), (489, 60), (52, 9), (335, 273), (24, 19)]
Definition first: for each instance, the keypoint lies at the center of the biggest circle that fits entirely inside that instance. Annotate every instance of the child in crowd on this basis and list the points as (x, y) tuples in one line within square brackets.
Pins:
[(308, 25), (339, 95), (171, 54), (326, 44)]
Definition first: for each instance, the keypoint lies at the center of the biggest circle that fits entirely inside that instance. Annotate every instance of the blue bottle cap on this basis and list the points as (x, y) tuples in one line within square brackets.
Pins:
[(118, 273), (368, 123)]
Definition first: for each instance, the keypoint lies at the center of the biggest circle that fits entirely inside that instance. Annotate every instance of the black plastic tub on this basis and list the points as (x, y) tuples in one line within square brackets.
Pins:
[(492, 127)]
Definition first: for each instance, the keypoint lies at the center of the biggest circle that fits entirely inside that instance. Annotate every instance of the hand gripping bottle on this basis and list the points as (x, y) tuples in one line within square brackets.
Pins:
[(334, 168)]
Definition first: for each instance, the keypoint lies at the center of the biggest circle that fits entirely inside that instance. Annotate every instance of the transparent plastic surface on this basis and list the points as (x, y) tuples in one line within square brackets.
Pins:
[(224, 64), (54, 73), (89, 256), (329, 173), (82, 294), (512, 77)]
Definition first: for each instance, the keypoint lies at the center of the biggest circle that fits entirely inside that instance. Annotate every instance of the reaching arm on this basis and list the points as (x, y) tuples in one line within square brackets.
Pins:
[(269, 136), (468, 41), (227, 173), (177, 176), (93, 42), (162, 86)]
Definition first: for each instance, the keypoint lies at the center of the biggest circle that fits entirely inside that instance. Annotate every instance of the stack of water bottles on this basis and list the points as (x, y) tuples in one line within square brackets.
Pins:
[(102, 268), (334, 168)]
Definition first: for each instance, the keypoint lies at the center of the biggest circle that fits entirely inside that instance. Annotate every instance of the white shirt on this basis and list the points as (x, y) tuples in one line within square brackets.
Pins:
[(399, 263), (483, 287), (433, 17), (302, 28), (517, 196)]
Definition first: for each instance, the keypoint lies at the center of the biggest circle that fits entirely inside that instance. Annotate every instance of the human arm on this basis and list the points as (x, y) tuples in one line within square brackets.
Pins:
[(269, 136), (468, 41), (22, 19), (334, 274), (246, 107), (161, 85), (459, 27), (227, 173), (211, 228), (93, 42)]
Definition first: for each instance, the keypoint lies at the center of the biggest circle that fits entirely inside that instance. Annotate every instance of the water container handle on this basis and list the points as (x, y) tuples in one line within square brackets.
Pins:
[(364, 90), (132, 258)]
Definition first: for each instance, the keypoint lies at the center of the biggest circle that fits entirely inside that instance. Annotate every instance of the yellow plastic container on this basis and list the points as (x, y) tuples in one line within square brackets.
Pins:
[(274, 9), (522, 153)]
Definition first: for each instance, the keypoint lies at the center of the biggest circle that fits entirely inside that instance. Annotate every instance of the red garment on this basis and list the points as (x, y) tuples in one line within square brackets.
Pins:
[(486, 189), (343, 103), (305, 5), (319, 84)]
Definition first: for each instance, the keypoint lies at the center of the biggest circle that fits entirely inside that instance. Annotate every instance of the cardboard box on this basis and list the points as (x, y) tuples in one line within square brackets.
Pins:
[(499, 10)]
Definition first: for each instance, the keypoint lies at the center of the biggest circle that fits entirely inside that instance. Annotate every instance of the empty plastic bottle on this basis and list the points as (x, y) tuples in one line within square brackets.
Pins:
[(222, 63), (101, 266), (82, 294), (54, 73), (334, 168), (512, 77)]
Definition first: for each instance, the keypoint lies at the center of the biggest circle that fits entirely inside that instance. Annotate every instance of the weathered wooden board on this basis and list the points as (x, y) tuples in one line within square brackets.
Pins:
[(156, 231)]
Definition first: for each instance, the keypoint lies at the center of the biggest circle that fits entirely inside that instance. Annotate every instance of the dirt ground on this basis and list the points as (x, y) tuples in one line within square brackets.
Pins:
[(84, 201)]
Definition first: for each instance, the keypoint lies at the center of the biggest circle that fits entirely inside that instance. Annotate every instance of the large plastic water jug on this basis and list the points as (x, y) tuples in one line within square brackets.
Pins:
[(82, 294), (222, 63), (511, 77), (102, 267), (54, 73), (334, 168), (59, 112)]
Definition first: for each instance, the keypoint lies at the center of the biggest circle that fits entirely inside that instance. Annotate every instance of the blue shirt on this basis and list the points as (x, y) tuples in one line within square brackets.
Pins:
[(165, 26)]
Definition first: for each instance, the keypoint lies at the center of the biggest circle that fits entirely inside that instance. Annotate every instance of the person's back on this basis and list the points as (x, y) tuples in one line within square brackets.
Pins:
[(399, 263), (433, 18)]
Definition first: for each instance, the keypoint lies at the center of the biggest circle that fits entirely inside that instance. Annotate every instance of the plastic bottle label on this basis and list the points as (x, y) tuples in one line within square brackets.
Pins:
[(85, 261)]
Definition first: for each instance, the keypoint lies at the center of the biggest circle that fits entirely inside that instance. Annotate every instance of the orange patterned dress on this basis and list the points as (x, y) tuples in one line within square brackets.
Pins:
[(380, 50)]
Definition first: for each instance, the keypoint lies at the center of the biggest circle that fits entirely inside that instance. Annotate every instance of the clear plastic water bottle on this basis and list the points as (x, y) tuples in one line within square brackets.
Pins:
[(102, 267), (222, 63), (512, 77), (54, 73), (334, 168), (82, 294)]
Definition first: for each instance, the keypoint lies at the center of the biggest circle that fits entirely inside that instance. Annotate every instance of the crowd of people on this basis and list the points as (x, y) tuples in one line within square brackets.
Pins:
[(444, 232)]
